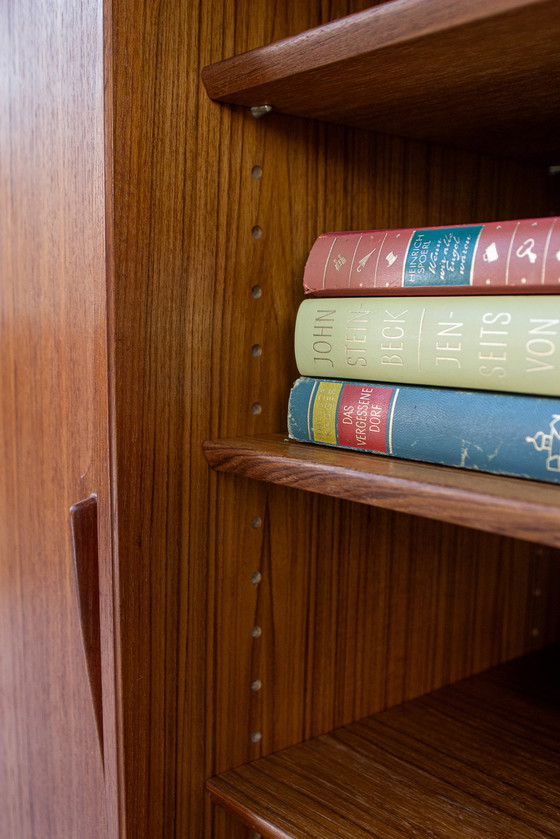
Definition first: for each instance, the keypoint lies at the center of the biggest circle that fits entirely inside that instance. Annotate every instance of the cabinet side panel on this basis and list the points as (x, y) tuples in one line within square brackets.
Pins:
[(53, 421)]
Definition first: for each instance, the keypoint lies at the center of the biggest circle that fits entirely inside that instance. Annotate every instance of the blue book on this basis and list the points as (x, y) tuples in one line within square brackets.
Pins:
[(501, 433)]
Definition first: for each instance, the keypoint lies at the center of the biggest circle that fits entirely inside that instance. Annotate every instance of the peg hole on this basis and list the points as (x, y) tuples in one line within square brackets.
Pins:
[(256, 172), (256, 292), (256, 232), (256, 408)]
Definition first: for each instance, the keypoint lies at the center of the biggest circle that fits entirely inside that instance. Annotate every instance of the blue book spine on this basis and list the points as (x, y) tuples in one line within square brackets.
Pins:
[(501, 433)]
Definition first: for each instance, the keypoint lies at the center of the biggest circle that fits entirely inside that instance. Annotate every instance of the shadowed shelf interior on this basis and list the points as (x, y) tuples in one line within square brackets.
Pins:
[(462, 72), (477, 759)]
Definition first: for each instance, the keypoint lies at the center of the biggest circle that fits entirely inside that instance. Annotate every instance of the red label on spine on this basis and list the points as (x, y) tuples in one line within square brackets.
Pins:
[(364, 417)]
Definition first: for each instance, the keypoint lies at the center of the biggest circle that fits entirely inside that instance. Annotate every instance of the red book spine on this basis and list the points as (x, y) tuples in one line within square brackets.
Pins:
[(521, 255)]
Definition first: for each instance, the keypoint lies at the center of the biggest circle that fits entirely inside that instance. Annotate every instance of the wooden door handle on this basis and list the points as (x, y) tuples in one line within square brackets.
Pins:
[(83, 527)]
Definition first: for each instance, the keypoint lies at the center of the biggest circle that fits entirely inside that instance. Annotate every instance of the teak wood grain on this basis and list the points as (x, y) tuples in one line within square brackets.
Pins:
[(359, 609), (153, 243), (478, 759), (54, 426), (523, 509), (472, 73)]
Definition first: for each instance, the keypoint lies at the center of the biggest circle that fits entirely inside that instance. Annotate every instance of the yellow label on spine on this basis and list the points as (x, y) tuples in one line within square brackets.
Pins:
[(325, 412)]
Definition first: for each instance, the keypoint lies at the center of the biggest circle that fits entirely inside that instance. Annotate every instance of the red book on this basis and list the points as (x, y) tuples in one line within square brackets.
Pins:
[(518, 256)]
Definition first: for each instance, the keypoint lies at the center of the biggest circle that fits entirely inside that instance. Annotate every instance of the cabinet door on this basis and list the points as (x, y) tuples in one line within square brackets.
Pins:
[(53, 418)]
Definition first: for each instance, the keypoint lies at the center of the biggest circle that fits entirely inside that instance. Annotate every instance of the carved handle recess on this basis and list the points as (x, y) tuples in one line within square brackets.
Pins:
[(83, 527)]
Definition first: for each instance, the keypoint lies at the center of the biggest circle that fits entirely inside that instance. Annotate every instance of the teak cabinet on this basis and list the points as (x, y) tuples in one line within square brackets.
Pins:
[(278, 650)]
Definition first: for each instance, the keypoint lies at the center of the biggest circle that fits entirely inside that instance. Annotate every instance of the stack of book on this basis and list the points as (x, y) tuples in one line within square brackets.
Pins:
[(440, 345)]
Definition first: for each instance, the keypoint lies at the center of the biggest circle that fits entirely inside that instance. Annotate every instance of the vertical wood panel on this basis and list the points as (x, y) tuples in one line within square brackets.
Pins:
[(53, 418)]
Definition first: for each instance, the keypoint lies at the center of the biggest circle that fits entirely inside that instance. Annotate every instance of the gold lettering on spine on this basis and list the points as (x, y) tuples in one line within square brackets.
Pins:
[(542, 344), (323, 329), (392, 334), (356, 338), (449, 330), (494, 342)]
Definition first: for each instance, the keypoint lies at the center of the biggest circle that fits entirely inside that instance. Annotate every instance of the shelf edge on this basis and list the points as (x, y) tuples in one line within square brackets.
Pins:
[(445, 494)]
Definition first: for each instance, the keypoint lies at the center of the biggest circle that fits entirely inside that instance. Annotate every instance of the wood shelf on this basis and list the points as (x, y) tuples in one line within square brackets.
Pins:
[(477, 759), (512, 507), (480, 74)]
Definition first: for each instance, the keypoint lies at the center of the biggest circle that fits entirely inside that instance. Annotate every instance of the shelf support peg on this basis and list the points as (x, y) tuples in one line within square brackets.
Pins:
[(259, 111)]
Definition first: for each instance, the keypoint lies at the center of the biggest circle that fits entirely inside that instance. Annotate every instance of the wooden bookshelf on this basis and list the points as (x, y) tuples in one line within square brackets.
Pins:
[(467, 72), (153, 245), (509, 506), (477, 759)]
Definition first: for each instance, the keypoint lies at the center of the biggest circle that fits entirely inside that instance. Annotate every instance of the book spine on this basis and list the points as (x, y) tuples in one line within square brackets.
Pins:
[(503, 342), (509, 255), (490, 432)]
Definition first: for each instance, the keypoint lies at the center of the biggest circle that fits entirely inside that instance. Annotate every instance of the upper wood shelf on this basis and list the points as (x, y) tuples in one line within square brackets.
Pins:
[(482, 74), (478, 759), (512, 507)]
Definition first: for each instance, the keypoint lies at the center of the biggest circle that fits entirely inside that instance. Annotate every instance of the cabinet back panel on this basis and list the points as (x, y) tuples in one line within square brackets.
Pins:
[(357, 610), (204, 304)]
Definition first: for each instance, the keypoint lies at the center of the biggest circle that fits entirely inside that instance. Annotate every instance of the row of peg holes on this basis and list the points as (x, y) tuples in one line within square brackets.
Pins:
[(256, 291), (256, 522), (256, 632), (537, 592)]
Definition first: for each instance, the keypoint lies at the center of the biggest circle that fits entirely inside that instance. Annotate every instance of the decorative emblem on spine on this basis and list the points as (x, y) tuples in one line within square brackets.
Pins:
[(391, 257), (550, 443), (363, 261)]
